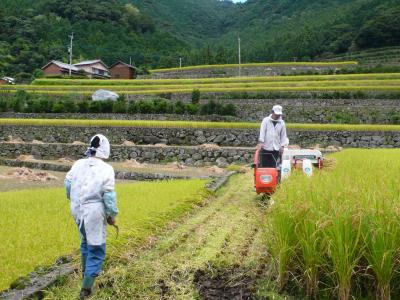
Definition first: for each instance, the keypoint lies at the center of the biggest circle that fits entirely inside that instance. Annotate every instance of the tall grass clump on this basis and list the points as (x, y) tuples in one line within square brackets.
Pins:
[(337, 234)]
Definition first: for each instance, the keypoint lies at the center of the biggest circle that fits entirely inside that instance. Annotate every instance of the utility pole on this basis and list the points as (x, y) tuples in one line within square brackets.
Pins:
[(240, 58), (70, 54), (130, 60), (180, 62)]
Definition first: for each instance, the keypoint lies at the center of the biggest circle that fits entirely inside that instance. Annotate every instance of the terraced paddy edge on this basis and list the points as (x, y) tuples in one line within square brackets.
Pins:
[(373, 56), (372, 88), (207, 86), (36, 226), (141, 82), (185, 124), (276, 64), (313, 83), (218, 252), (336, 235)]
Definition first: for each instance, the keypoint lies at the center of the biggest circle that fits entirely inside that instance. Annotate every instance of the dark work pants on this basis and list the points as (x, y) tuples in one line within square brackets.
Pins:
[(267, 158)]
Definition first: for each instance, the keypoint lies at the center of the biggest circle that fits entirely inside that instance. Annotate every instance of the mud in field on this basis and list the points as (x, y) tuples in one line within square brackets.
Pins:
[(224, 284)]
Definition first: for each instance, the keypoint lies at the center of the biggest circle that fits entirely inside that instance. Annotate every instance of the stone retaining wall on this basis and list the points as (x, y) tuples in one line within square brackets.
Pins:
[(195, 137), (364, 111), (196, 156)]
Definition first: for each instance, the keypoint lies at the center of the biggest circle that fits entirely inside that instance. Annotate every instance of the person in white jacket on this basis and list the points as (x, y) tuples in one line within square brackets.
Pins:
[(90, 188), (273, 138)]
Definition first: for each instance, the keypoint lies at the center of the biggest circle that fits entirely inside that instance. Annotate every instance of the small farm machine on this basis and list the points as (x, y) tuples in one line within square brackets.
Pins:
[(269, 172)]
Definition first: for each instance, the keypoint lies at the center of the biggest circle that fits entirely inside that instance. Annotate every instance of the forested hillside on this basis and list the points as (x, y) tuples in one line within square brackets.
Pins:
[(191, 20), (278, 30), (155, 33), (305, 29), (32, 32)]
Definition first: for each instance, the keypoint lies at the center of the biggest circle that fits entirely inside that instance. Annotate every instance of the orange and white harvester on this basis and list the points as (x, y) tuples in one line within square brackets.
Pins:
[(267, 178)]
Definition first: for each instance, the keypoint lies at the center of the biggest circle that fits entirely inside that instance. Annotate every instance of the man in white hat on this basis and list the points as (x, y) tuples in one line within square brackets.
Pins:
[(273, 137), (90, 188)]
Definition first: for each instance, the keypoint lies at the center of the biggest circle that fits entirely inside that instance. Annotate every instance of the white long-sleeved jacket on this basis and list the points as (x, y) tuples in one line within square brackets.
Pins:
[(273, 137), (90, 179)]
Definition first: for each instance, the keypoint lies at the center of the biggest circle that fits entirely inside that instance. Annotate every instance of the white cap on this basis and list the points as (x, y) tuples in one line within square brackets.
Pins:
[(277, 109)]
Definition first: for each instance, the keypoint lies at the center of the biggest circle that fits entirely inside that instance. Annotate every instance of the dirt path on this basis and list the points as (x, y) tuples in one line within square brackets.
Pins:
[(215, 253)]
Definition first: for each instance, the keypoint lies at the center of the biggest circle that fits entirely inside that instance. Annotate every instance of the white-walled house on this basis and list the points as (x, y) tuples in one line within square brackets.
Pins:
[(94, 68)]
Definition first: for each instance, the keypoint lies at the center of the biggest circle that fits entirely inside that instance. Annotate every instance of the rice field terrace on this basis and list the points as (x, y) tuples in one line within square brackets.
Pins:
[(191, 124), (376, 56), (273, 64), (337, 234), (314, 240), (311, 83), (53, 81), (36, 227)]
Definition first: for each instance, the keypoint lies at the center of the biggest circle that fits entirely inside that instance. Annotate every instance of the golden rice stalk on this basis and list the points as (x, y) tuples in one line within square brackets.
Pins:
[(329, 163)]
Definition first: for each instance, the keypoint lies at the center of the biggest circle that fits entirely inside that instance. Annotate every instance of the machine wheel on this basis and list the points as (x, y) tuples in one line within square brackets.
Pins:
[(265, 197)]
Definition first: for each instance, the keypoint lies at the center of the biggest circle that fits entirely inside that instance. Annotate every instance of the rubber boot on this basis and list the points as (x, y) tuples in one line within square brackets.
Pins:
[(87, 285)]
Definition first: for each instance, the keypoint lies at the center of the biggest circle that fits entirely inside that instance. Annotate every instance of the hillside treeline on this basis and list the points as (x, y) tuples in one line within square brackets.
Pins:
[(155, 34)]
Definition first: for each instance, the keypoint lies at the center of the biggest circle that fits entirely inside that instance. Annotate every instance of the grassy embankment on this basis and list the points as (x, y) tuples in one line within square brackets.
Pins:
[(189, 124)]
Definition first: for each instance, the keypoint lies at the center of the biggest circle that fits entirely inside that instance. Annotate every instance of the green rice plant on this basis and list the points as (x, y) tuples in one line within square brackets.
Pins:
[(310, 245), (273, 64), (343, 235), (146, 82), (381, 238), (36, 226), (346, 226), (206, 86), (190, 124), (126, 123), (283, 244), (185, 90)]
